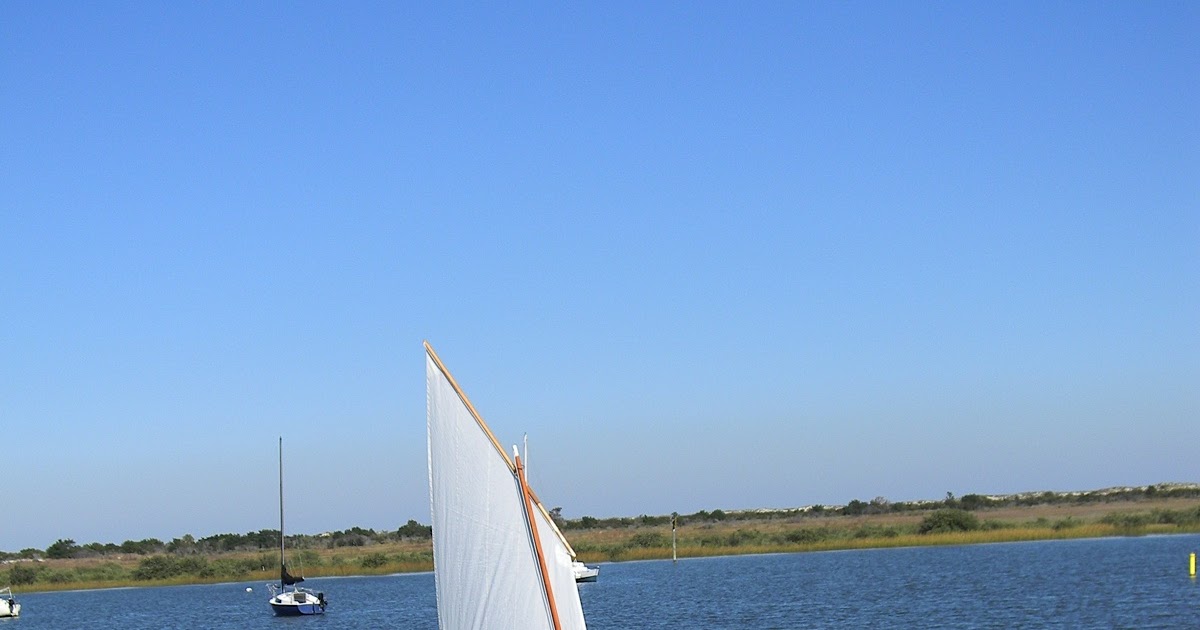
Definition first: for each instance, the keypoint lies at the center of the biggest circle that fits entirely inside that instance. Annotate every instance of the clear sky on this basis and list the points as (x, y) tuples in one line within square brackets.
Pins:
[(707, 255)]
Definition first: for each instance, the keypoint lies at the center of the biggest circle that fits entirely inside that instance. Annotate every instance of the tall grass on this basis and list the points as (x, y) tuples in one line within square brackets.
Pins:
[(873, 537), (632, 542)]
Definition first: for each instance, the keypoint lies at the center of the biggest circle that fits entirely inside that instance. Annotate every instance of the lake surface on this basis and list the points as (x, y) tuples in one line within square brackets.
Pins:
[(1098, 583)]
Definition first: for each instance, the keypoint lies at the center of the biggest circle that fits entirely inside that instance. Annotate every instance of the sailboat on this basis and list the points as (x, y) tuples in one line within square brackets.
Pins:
[(499, 561), (584, 573), (9, 606), (297, 600)]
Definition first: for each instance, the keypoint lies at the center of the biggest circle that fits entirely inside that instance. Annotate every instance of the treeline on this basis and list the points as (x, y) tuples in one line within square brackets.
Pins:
[(155, 567), (881, 505), (235, 557), (226, 567), (187, 545), (646, 543), (361, 537)]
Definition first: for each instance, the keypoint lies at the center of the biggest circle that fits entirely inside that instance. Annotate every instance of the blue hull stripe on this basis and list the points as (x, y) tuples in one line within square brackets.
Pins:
[(291, 611)]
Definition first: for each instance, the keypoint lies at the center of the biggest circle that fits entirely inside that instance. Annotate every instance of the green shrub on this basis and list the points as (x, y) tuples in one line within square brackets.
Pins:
[(807, 535), (743, 537), (1179, 518), (107, 572), (1129, 521), (875, 531), (21, 574), (374, 560), (413, 529), (1066, 523), (648, 539), (305, 557), (948, 520), (163, 567), (615, 551), (62, 548), (232, 567), (154, 568), (191, 565), (60, 576)]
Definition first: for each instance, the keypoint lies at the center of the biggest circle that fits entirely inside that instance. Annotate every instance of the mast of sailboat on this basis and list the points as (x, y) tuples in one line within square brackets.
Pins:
[(282, 559), (527, 501), (527, 504), (537, 503)]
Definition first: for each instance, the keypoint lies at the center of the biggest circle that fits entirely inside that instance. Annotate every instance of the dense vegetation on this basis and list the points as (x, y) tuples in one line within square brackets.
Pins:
[(217, 543), (937, 527), (254, 555)]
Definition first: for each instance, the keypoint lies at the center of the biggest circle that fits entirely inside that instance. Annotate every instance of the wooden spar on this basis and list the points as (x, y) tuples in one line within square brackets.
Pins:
[(467, 401), (527, 502), (462, 395)]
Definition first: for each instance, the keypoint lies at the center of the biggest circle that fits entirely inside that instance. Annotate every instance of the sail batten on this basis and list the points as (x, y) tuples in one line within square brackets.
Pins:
[(487, 570)]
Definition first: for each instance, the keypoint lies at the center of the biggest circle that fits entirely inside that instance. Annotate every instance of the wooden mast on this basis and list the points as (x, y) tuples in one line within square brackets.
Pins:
[(527, 502)]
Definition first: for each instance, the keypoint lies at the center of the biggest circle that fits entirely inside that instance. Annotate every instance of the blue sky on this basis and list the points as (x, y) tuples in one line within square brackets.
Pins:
[(706, 255)]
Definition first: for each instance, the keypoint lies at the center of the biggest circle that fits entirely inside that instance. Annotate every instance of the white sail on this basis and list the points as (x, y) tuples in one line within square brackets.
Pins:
[(559, 558), (486, 568)]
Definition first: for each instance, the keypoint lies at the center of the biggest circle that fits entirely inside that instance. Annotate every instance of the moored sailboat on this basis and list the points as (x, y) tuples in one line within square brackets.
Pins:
[(499, 560), (584, 573), (297, 600), (9, 606)]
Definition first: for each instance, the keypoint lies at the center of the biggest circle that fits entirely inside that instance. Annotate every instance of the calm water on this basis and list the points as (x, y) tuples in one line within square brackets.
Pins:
[(1104, 583)]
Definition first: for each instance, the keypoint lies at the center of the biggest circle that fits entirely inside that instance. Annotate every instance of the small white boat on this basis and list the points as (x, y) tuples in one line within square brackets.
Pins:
[(297, 600), (9, 607), (584, 573)]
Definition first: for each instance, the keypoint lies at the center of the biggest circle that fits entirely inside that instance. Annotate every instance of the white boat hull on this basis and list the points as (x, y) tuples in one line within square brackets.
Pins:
[(584, 573), (8, 604), (298, 602)]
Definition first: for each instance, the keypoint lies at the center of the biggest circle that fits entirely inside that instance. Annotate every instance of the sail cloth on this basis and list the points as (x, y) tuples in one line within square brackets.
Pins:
[(286, 578), (485, 570)]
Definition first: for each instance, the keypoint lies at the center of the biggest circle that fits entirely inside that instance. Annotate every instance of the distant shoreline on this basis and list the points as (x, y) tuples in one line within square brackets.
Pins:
[(748, 533)]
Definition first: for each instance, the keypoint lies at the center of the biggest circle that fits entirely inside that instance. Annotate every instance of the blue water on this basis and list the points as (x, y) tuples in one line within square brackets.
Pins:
[(1101, 583)]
